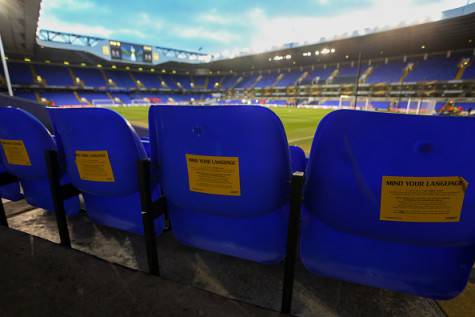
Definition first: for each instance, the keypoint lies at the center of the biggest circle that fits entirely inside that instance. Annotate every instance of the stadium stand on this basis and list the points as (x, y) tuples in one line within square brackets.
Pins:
[(346, 75), (319, 75), (20, 73), (30, 95), (122, 97), (66, 98), (381, 104), (54, 75), (90, 77), (434, 68), (169, 81), (390, 72), (289, 79), (183, 81), (469, 73), (247, 81), (120, 79), (267, 80), (214, 82), (199, 82), (90, 97), (148, 80), (230, 81)]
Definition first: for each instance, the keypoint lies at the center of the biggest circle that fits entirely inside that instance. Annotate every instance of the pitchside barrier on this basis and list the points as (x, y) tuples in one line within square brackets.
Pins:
[(379, 204)]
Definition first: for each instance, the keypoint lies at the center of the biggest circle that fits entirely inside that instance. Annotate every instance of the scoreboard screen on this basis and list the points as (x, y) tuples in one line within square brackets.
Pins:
[(116, 52), (130, 52), (147, 54)]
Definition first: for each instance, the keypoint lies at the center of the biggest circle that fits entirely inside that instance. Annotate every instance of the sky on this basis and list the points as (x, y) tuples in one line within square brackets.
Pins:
[(232, 25)]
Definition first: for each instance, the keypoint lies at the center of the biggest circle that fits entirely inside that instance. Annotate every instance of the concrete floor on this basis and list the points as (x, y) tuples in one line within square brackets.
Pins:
[(226, 276), (39, 278)]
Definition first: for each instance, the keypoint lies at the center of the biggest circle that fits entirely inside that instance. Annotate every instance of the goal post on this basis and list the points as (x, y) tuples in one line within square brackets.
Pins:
[(105, 103)]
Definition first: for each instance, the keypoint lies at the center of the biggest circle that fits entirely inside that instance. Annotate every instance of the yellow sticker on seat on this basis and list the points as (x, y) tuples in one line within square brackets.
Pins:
[(218, 175), (94, 166), (422, 199), (15, 152)]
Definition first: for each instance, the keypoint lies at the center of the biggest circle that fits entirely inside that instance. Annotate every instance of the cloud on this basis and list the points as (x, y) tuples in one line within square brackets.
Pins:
[(71, 5), (129, 32), (53, 23), (203, 33), (215, 17), (271, 31), (145, 21)]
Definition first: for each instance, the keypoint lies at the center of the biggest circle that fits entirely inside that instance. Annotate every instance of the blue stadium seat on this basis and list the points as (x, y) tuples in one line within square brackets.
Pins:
[(30, 95), (229, 82), (109, 184), (25, 141), (267, 80), (387, 73), (90, 77), (342, 235), (214, 82), (298, 161), (55, 75), (20, 73), (247, 82), (289, 78), (244, 211), (319, 75), (9, 191), (64, 98)]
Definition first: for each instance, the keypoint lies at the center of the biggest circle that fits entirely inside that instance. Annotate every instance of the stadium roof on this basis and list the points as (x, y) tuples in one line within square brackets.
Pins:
[(449, 34), (18, 24)]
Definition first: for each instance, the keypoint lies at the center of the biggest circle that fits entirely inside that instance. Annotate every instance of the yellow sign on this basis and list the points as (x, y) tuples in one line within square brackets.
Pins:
[(94, 166), (422, 199), (15, 152), (218, 175)]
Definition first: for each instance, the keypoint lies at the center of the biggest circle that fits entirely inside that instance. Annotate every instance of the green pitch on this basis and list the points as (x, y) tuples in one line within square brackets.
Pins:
[(300, 124)]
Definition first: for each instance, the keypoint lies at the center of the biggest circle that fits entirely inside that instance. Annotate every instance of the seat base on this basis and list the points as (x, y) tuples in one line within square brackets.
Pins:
[(123, 213), (260, 239), (434, 272)]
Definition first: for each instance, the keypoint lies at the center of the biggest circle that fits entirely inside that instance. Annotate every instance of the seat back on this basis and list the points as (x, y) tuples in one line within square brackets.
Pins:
[(298, 161), (375, 191), (101, 151), (24, 141), (225, 172), (100, 148)]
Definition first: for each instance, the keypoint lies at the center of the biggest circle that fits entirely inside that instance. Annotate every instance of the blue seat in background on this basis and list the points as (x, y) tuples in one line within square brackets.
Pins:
[(27, 139), (298, 161), (251, 224), (111, 200), (342, 235), (10, 191)]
